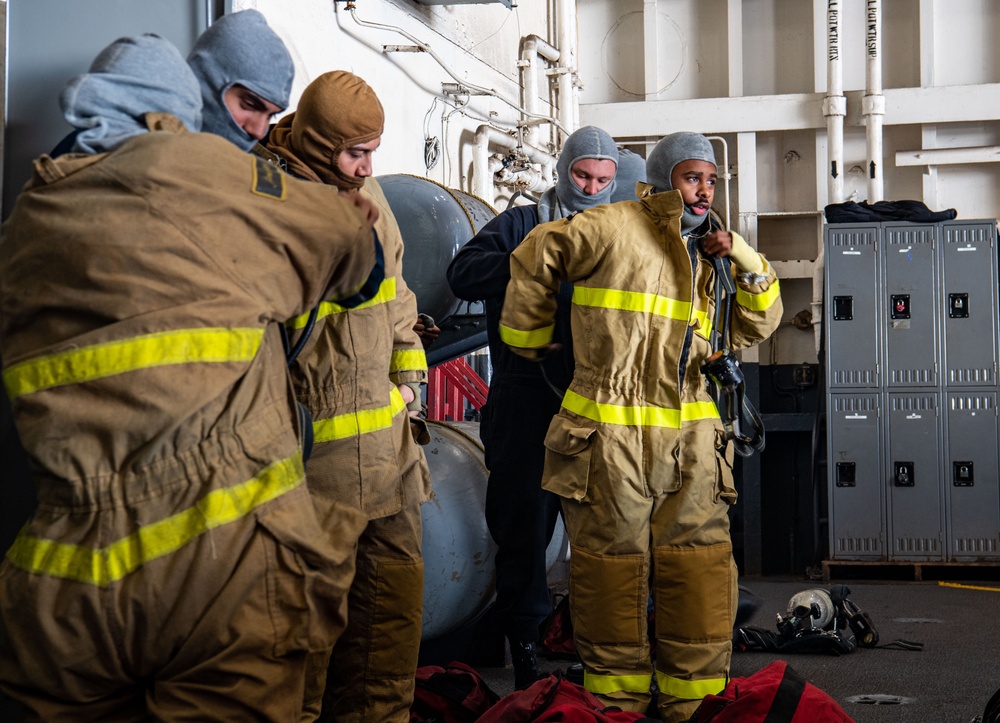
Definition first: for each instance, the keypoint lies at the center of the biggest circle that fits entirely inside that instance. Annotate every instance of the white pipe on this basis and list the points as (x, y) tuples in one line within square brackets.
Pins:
[(424, 47), (835, 105), (948, 156), (569, 102), (873, 103), (482, 176), (529, 179), (533, 48), (726, 175)]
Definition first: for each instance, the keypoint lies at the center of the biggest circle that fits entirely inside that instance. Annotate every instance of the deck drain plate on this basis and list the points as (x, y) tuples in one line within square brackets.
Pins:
[(880, 699)]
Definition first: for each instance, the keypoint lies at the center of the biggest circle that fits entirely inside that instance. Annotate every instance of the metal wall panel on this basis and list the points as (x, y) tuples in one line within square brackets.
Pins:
[(909, 308), (968, 303), (913, 476), (856, 499), (971, 477), (50, 41), (851, 314)]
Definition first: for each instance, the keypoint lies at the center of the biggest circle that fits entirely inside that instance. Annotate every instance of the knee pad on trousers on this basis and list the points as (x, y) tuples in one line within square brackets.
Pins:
[(694, 591)]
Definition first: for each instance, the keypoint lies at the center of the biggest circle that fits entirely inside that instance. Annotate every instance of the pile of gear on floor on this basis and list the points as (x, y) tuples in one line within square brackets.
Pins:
[(817, 621)]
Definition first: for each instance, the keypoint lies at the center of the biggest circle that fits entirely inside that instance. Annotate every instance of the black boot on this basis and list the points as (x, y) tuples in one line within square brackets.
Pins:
[(525, 660)]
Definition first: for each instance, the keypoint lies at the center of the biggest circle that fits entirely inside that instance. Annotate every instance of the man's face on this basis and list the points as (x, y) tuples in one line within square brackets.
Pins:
[(593, 175), (251, 112), (696, 181), (356, 161)]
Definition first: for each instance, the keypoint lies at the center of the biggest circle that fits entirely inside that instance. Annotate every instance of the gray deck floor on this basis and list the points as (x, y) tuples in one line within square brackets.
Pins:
[(949, 681)]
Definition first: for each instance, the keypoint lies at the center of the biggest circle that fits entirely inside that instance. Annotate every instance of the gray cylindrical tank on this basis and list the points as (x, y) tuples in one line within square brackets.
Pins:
[(458, 550), (459, 575), (435, 222)]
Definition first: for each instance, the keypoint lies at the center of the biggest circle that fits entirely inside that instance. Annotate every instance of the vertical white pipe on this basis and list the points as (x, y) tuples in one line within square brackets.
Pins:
[(532, 49), (835, 104), (873, 103), (569, 106)]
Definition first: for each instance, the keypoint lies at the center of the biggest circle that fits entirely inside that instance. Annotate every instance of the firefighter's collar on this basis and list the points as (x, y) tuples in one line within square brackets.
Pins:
[(665, 204)]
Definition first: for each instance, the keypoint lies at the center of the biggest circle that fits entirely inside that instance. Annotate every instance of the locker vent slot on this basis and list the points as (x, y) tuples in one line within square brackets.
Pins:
[(858, 545), (913, 404), (971, 403), (852, 238), (914, 545), (854, 404), (972, 545), (854, 377), (967, 234), (970, 376), (922, 377)]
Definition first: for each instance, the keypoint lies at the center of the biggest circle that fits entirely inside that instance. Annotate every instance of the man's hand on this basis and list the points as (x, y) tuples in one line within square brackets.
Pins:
[(717, 244), (426, 329), (408, 396), (368, 209)]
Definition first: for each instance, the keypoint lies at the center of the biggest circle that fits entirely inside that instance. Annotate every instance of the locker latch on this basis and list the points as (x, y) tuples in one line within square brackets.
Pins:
[(843, 308), (900, 306), (962, 474), (846, 474), (958, 306), (904, 474)]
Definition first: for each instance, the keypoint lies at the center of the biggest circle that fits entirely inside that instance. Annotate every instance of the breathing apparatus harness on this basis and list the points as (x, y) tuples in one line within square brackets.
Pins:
[(291, 354), (726, 381)]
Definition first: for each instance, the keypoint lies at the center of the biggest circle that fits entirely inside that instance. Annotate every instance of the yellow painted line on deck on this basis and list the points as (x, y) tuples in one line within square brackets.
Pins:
[(968, 587)]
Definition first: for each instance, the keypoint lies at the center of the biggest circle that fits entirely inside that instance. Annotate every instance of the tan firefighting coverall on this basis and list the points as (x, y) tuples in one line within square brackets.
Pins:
[(638, 451), (364, 455), (176, 567)]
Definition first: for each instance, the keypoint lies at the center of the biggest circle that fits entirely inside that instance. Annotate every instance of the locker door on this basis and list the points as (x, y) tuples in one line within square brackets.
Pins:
[(909, 304), (851, 313), (970, 477), (855, 480), (968, 303), (913, 478)]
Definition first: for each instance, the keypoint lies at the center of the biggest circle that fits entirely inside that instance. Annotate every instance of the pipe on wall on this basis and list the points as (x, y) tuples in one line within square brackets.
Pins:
[(482, 176), (834, 105), (569, 108), (532, 49), (873, 102)]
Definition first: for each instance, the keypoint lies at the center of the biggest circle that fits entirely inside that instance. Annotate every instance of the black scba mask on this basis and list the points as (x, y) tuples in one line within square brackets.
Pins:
[(819, 621), (726, 381)]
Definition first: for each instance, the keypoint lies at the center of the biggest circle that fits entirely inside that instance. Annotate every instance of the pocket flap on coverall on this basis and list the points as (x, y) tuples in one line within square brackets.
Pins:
[(567, 457), (310, 553)]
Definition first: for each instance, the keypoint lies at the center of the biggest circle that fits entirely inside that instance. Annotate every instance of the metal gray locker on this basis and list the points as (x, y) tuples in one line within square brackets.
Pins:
[(856, 499), (851, 313), (913, 476), (970, 477), (968, 303), (909, 304)]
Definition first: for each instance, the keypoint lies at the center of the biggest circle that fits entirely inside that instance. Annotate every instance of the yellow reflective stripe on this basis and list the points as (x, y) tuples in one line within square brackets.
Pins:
[(106, 565), (642, 303), (761, 301), (386, 293), (704, 323), (363, 421), (408, 360), (606, 684), (527, 339), (688, 689), (639, 415), (183, 346), (632, 301)]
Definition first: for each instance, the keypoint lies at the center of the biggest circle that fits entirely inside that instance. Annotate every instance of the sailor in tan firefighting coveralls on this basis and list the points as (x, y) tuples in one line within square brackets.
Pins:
[(176, 568), (638, 451), (358, 374)]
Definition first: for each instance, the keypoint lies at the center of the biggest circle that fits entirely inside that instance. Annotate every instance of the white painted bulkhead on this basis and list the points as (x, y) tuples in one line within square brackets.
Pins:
[(755, 72)]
